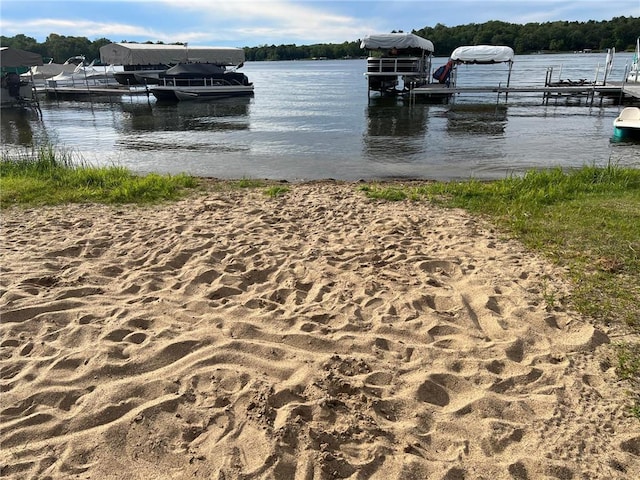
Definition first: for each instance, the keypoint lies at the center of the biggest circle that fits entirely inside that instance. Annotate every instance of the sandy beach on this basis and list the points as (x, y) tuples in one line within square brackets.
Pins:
[(317, 335)]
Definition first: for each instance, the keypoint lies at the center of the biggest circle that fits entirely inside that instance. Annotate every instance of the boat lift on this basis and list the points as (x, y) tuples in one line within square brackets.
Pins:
[(397, 62), (482, 55)]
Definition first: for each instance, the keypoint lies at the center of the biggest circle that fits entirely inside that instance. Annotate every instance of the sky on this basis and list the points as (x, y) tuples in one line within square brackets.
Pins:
[(250, 23)]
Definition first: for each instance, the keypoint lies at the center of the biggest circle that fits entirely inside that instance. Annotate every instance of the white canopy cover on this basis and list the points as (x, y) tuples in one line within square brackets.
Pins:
[(387, 41), (150, 54), (483, 54)]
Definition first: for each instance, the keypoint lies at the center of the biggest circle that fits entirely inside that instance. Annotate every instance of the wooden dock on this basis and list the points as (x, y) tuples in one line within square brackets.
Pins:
[(632, 89), (614, 90), (98, 91)]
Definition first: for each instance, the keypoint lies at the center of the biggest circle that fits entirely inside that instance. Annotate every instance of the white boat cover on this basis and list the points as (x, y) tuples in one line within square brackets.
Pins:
[(483, 54), (14, 57), (387, 41), (150, 54), (46, 71)]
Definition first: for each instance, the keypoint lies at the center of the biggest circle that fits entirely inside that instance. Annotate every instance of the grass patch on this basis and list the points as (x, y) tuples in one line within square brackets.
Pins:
[(51, 177), (389, 193), (587, 220), (276, 191), (628, 368), (246, 183), (271, 188)]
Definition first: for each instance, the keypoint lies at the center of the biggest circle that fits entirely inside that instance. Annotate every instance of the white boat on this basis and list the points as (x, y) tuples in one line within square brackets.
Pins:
[(14, 90), (627, 124), (200, 81), (634, 71), (40, 73), (397, 62), (86, 76)]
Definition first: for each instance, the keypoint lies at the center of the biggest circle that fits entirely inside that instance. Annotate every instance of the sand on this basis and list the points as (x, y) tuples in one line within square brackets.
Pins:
[(316, 335)]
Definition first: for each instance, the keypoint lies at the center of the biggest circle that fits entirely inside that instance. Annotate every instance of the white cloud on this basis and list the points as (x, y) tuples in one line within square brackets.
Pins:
[(89, 29), (256, 22), (258, 19)]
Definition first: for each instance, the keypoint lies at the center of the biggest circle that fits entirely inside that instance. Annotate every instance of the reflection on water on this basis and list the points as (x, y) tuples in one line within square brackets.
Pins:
[(184, 126), (387, 117), (479, 119), (214, 115), (394, 129), (16, 126)]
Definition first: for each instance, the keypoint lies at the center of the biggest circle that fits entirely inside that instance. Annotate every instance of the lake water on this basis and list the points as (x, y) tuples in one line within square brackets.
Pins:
[(315, 120)]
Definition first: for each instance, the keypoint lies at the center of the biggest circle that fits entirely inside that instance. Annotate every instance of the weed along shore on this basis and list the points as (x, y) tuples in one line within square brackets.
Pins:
[(194, 328)]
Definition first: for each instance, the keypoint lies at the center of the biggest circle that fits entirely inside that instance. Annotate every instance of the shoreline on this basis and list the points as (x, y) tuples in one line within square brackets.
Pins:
[(317, 335)]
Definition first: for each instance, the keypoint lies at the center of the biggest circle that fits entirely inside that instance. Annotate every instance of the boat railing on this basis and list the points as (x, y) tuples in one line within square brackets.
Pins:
[(79, 82), (193, 82), (394, 65)]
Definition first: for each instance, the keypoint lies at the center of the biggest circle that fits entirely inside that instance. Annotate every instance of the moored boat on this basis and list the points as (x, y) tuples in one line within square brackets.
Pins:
[(14, 90), (200, 81), (40, 73), (627, 124), (142, 63), (397, 62), (85, 76)]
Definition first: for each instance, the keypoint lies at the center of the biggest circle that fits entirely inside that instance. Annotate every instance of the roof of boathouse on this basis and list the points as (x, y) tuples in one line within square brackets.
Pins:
[(387, 41), (153, 54)]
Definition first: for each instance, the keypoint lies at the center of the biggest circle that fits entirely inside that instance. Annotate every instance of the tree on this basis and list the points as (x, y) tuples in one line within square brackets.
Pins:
[(619, 32)]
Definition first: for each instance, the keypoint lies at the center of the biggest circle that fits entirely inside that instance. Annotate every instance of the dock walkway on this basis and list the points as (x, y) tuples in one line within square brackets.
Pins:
[(632, 89), (91, 90), (612, 89)]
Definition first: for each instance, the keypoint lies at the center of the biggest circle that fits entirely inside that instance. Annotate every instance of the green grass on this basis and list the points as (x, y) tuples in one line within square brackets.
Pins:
[(587, 220), (51, 177), (276, 191), (248, 183), (628, 368), (270, 188), (389, 193)]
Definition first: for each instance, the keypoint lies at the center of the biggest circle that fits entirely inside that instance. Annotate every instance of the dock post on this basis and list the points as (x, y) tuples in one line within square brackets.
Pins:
[(547, 83), (506, 95)]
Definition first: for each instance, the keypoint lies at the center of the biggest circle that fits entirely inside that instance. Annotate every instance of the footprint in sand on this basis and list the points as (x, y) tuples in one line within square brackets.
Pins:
[(431, 392), (441, 267)]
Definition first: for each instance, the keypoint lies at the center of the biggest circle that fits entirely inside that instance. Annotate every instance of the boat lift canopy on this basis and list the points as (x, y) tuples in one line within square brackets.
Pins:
[(153, 54), (14, 57), (400, 41), (482, 54)]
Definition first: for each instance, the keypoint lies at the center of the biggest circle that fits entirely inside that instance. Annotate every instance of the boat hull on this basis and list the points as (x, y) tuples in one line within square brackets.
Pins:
[(178, 93), (22, 96), (622, 133)]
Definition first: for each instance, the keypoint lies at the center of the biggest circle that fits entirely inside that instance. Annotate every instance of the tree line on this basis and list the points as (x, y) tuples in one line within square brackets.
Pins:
[(560, 36), (57, 47)]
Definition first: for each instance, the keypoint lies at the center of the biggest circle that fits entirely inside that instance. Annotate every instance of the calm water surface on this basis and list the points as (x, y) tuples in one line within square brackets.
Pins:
[(314, 120)]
